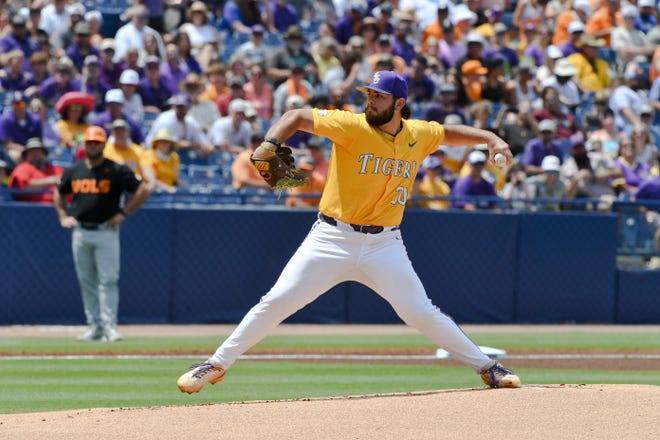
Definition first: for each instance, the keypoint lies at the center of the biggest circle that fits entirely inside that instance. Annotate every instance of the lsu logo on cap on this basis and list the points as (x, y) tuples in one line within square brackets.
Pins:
[(376, 78)]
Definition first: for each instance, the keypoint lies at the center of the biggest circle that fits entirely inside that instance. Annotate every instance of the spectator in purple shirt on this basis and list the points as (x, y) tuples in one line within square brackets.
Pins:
[(284, 14), (240, 15), (16, 127), (345, 26), (114, 104), (82, 45), (400, 44), (634, 170), (20, 39), (474, 184), (14, 76), (62, 81), (91, 81), (173, 70), (420, 86), (541, 146), (110, 71), (151, 88), (575, 31)]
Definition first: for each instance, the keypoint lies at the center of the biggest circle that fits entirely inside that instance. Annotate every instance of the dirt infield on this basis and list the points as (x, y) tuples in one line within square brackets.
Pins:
[(531, 412), (619, 412)]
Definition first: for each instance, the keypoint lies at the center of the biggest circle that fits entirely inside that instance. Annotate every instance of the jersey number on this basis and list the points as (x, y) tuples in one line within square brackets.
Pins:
[(401, 197)]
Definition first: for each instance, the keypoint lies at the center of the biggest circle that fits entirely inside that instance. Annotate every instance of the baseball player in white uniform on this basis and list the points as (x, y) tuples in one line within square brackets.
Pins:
[(374, 160)]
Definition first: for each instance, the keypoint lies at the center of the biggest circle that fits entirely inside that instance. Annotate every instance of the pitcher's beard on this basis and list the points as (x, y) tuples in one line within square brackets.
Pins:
[(376, 119)]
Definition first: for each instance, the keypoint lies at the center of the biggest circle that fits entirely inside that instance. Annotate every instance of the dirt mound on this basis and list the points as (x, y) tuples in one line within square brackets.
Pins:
[(531, 412)]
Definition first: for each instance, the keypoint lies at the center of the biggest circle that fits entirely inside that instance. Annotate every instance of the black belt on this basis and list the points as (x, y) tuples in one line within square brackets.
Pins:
[(90, 226), (365, 229)]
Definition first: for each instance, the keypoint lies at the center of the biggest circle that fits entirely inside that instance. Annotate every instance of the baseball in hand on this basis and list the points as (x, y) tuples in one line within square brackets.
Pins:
[(500, 159)]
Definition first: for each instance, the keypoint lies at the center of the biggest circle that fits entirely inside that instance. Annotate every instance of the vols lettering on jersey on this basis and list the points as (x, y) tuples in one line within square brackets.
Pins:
[(90, 186), (371, 173)]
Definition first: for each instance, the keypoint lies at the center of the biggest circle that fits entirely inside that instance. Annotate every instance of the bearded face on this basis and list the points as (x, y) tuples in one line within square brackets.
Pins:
[(376, 118)]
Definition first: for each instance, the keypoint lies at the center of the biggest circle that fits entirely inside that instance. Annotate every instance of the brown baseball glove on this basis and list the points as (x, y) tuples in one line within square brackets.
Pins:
[(277, 167)]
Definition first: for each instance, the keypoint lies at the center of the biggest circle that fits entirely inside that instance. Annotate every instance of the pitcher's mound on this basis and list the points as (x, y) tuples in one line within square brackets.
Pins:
[(530, 412)]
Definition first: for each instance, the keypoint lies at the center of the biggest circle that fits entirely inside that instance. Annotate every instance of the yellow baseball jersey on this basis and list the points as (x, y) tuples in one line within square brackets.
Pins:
[(371, 173), (129, 156)]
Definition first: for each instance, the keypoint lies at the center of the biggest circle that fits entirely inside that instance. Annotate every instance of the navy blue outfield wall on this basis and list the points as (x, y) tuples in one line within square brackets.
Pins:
[(211, 265)]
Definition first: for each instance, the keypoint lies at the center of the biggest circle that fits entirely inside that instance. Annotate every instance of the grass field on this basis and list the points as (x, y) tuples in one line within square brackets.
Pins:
[(35, 377)]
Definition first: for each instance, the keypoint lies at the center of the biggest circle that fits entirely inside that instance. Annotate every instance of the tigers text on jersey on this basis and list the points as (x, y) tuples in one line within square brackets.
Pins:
[(97, 191), (371, 173)]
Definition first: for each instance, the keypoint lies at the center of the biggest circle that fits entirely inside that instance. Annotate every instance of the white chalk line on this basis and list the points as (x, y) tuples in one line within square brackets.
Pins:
[(334, 357)]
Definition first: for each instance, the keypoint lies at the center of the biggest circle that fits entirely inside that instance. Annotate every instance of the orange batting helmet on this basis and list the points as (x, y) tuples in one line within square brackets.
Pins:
[(95, 134)]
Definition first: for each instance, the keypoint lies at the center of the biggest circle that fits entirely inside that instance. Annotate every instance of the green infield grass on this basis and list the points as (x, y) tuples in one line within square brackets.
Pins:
[(47, 382)]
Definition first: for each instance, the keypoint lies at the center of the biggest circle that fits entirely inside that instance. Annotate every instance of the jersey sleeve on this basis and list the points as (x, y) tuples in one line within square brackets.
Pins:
[(337, 125), (64, 186), (127, 179)]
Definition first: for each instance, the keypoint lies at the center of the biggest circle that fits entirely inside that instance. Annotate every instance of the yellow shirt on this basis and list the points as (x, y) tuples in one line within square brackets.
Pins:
[(129, 156), (434, 188), (69, 131), (593, 81), (371, 173), (166, 171)]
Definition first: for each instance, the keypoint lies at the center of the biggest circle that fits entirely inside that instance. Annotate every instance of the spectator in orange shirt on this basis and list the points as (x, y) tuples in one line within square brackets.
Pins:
[(243, 173), (604, 20), (35, 173), (579, 11), (217, 83)]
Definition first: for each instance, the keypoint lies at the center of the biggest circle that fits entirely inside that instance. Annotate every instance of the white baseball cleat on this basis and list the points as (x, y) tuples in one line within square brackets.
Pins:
[(93, 333), (195, 379), (497, 376)]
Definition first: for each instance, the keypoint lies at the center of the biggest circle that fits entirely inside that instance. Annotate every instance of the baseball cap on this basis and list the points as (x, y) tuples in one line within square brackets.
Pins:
[(179, 100), (387, 82), (294, 101), (646, 109), (646, 3), (553, 52), (91, 60), (18, 20), (129, 77), (77, 9), (475, 37), (575, 26), (119, 123), (499, 28), (114, 95), (238, 106), (548, 125), (447, 87), (583, 5), (358, 6), (551, 163), (473, 66), (453, 119), (82, 28), (477, 158), (151, 59), (258, 29), (95, 133), (107, 44), (431, 162)]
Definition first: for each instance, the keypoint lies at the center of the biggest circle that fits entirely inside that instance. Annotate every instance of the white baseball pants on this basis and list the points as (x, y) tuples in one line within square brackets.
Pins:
[(330, 255)]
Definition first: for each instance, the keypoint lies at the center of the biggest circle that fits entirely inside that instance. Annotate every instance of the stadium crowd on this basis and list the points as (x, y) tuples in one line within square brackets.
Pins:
[(185, 90)]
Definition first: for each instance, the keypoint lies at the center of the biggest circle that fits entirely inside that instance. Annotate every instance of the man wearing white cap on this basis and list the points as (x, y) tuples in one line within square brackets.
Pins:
[(128, 83), (575, 32), (132, 33), (474, 184), (540, 147), (646, 19), (232, 133), (548, 185), (628, 41), (114, 109)]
